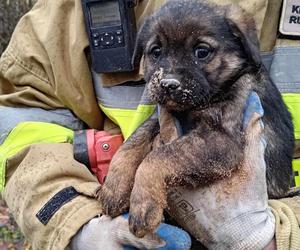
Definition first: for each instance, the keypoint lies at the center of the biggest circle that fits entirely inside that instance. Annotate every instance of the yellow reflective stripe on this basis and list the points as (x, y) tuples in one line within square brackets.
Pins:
[(296, 168), (26, 134), (292, 101), (129, 119)]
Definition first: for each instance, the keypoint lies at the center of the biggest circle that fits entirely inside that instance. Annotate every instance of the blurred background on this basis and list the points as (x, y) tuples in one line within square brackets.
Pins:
[(10, 13)]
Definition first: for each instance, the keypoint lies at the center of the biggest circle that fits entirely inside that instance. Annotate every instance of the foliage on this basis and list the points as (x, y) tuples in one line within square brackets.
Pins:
[(10, 236)]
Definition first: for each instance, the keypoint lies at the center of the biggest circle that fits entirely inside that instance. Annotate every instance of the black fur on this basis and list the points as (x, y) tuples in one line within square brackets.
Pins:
[(232, 69)]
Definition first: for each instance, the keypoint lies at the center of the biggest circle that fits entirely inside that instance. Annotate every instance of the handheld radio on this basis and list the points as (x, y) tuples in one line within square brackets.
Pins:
[(111, 29)]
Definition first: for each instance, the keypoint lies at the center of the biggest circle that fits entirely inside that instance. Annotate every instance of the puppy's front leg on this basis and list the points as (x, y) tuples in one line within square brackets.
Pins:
[(190, 160), (115, 193)]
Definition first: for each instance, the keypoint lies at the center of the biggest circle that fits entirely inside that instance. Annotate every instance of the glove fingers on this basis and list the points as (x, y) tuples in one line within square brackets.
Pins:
[(125, 237), (253, 105), (254, 128), (254, 151)]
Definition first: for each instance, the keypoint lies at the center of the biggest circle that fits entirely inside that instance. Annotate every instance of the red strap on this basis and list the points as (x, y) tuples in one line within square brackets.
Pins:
[(101, 148)]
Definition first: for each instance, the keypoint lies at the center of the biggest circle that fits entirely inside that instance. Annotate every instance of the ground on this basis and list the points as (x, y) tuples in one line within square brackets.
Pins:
[(10, 236)]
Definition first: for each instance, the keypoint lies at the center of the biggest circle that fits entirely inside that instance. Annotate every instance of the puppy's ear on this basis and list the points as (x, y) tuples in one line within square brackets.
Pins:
[(140, 44), (243, 27)]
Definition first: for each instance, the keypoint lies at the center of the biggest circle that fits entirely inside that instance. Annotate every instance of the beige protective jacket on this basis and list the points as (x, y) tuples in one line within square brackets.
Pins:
[(45, 66)]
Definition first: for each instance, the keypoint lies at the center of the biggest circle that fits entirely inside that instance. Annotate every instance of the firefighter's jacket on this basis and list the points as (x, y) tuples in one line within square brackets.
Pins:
[(46, 93)]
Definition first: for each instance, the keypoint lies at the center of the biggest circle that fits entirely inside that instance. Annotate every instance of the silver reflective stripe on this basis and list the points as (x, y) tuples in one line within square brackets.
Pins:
[(125, 96), (11, 117), (284, 68), (267, 58)]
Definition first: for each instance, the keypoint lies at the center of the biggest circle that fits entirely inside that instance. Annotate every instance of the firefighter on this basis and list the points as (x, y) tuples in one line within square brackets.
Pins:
[(47, 93)]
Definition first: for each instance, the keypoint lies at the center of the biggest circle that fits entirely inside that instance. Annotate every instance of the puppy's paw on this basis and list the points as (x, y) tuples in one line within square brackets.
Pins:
[(114, 196), (145, 214)]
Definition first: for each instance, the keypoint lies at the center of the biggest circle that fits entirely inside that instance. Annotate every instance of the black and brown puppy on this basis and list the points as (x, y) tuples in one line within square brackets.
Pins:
[(201, 61)]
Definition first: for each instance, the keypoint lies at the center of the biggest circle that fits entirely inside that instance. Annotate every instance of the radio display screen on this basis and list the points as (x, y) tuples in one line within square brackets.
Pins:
[(105, 14)]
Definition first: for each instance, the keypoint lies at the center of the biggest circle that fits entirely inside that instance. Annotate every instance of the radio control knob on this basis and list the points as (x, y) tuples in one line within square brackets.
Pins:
[(96, 43), (107, 39), (119, 39)]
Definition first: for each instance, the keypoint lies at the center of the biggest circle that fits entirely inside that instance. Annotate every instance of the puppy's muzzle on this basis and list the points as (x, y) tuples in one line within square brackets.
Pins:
[(169, 83)]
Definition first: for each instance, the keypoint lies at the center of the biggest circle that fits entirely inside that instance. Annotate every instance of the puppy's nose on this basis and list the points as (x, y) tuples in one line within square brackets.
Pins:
[(169, 83)]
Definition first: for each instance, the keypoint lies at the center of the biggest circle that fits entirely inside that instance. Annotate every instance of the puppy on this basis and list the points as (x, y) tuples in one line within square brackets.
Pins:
[(201, 61)]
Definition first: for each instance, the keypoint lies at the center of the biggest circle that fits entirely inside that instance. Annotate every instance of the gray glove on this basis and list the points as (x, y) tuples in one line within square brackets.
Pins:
[(232, 213), (105, 233)]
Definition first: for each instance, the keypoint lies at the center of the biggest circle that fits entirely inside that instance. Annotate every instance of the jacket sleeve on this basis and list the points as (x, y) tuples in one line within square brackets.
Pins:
[(45, 65), (43, 75), (50, 194)]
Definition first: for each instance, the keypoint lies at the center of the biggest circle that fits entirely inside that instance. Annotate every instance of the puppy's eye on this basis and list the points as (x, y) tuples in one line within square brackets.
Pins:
[(202, 51), (155, 51)]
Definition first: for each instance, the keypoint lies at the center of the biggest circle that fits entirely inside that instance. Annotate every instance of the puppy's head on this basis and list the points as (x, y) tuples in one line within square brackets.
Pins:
[(193, 52)]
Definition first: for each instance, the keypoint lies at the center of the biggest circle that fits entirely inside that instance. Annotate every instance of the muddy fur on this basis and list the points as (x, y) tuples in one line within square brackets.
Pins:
[(200, 63)]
